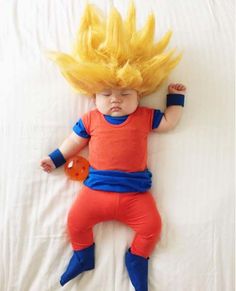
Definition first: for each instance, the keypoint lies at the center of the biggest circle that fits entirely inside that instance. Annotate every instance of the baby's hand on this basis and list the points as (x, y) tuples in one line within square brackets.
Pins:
[(47, 165), (176, 88)]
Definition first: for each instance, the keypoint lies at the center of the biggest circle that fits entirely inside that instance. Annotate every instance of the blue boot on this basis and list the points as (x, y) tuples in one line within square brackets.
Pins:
[(137, 267), (81, 261)]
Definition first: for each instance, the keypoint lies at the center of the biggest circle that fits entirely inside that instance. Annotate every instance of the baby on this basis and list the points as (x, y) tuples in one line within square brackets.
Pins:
[(117, 135), (117, 187)]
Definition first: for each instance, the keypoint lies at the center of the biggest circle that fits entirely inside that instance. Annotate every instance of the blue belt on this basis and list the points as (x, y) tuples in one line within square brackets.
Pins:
[(119, 181)]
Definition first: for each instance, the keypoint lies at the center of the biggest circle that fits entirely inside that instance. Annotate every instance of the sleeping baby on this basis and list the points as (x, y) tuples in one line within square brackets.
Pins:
[(110, 64)]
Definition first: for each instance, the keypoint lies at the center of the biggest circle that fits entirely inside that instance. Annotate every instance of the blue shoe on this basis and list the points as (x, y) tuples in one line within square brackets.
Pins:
[(81, 261), (137, 267)]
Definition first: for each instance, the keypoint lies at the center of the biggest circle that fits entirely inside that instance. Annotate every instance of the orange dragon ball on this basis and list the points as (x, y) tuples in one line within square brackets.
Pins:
[(77, 168)]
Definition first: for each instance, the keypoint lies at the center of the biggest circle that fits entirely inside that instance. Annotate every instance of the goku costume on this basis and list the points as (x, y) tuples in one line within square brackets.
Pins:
[(118, 181)]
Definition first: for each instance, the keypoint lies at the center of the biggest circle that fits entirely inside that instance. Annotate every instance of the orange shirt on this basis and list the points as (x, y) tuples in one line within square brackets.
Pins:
[(120, 147)]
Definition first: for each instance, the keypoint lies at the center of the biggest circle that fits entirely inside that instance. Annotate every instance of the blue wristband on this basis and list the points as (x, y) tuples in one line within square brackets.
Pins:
[(175, 99), (57, 158)]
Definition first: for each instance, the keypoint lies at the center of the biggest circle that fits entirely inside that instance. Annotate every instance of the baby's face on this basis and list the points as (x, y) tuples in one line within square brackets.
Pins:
[(117, 102)]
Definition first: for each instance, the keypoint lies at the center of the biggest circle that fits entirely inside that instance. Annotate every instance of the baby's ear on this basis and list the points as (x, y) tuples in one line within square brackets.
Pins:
[(94, 98), (139, 97)]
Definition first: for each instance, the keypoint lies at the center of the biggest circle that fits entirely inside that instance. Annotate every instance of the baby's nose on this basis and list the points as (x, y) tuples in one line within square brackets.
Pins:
[(115, 99)]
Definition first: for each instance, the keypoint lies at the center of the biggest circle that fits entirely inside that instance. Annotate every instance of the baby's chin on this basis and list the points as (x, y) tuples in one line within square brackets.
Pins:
[(117, 113)]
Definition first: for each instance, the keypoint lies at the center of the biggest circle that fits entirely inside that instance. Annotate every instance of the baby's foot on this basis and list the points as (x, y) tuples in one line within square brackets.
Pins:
[(81, 261)]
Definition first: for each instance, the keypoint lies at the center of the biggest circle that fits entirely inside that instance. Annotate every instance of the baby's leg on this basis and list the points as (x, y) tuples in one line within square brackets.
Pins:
[(139, 211), (90, 208)]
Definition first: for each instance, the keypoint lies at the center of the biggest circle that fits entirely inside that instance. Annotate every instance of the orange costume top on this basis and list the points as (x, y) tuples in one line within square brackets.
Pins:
[(120, 147), (118, 152)]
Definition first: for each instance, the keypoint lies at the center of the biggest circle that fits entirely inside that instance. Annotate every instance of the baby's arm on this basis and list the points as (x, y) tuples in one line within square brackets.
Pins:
[(71, 146), (172, 113)]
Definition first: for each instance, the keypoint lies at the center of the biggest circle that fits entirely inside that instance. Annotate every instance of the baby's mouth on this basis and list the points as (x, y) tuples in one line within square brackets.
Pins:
[(115, 109)]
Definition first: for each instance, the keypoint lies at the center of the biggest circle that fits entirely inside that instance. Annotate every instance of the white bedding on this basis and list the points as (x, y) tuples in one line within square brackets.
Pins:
[(192, 165)]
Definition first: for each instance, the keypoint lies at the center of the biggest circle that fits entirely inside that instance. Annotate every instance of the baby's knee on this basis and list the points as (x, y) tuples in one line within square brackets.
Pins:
[(153, 229), (74, 222)]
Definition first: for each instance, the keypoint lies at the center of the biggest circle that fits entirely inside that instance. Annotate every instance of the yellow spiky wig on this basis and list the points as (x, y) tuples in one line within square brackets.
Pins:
[(111, 53)]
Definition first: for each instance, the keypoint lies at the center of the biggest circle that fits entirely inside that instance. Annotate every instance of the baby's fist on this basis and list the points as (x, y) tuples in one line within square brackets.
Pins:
[(176, 89), (47, 165)]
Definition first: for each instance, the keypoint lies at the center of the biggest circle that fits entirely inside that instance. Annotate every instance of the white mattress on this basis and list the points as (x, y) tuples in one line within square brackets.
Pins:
[(192, 165)]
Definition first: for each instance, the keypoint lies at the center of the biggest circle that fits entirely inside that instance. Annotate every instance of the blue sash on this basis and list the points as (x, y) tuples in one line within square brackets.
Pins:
[(119, 181)]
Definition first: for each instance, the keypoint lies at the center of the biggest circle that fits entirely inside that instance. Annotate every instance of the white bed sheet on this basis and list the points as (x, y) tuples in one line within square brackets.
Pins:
[(192, 165)]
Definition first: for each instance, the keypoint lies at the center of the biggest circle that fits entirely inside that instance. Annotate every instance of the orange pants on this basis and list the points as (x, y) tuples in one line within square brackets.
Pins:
[(137, 210)]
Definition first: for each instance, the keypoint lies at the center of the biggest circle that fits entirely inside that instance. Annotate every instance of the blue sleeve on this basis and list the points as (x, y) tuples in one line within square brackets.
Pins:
[(157, 116), (79, 129)]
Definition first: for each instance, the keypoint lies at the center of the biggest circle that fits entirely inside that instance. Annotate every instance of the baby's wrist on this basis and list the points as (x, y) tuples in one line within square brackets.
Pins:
[(175, 99), (57, 158)]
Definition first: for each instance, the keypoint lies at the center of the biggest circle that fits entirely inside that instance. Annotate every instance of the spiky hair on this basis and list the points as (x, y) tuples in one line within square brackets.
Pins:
[(111, 53)]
